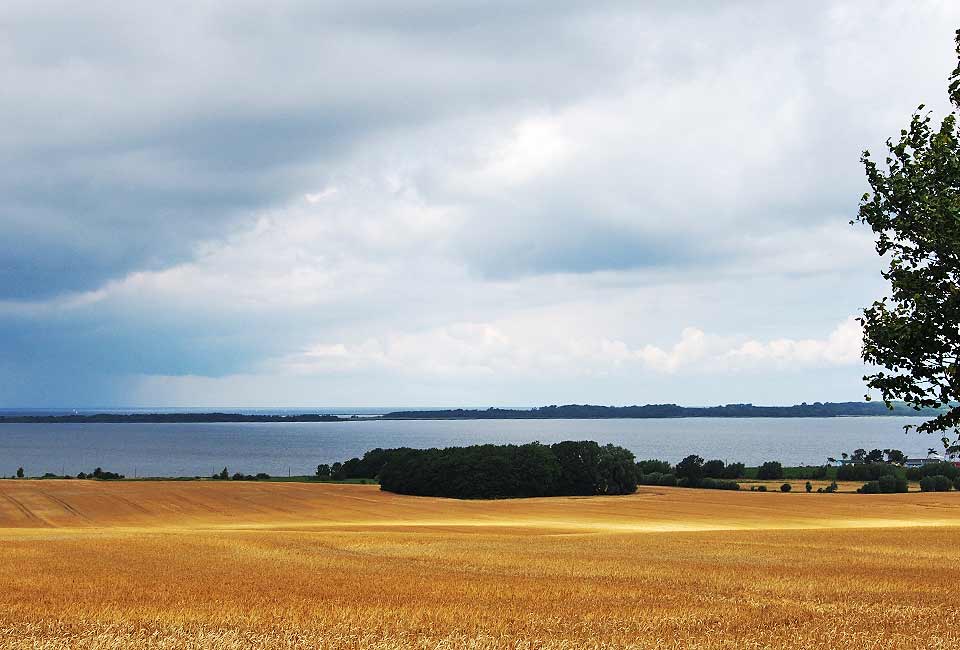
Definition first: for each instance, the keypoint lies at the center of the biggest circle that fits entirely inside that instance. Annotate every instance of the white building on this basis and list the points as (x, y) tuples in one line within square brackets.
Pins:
[(920, 462)]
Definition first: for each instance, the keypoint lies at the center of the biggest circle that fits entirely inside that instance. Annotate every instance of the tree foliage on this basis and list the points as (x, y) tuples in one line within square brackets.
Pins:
[(714, 468), (938, 483), (895, 456), (770, 470), (867, 471), (501, 471), (913, 208), (654, 466), (691, 469)]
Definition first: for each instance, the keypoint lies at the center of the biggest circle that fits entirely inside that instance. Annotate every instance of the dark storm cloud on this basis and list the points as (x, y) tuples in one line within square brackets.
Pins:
[(134, 133)]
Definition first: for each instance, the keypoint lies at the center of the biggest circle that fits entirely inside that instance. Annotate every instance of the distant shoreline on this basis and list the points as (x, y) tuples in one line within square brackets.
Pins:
[(566, 412)]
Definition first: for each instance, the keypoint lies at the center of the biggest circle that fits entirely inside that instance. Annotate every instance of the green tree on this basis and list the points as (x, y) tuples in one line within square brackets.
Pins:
[(895, 456), (323, 471), (654, 467), (579, 467), (691, 468), (734, 470), (714, 468), (19, 472), (618, 470), (770, 470), (913, 208), (874, 456)]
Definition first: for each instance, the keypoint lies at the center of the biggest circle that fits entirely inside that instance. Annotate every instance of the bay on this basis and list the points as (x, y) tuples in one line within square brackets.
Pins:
[(297, 448)]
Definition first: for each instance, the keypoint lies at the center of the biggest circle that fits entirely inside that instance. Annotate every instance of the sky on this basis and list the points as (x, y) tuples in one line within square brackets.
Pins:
[(446, 203)]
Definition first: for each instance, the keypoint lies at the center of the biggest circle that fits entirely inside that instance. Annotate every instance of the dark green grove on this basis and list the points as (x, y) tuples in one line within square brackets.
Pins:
[(502, 471)]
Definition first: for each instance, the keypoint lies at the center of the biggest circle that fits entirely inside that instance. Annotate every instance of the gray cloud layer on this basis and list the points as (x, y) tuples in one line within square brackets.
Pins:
[(215, 189)]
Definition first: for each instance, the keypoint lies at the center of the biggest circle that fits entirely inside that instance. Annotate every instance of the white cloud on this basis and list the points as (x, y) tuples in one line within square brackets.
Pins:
[(556, 191), (842, 346), (469, 348)]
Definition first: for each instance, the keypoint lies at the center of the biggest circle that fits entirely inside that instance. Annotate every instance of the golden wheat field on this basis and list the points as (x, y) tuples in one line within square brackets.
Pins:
[(289, 565)]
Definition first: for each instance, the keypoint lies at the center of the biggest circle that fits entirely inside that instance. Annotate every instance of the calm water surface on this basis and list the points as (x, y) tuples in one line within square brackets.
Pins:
[(201, 449)]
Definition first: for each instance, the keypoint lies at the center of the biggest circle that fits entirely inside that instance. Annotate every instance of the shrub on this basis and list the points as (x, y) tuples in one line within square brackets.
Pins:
[(653, 478), (870, 487), (867, 471), (938, 483), (786, 487), (770, 470), (718, 484), (734, 470), (759, 488), (806, 472), (654, 467), (102, 475), (890, 484), (831, 488), (949, 470), (933, 469), (809, 487), (668, 480)]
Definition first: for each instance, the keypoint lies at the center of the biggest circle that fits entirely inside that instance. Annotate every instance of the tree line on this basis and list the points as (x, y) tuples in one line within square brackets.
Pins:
[(584, 468), (591, 411), (568, 468)]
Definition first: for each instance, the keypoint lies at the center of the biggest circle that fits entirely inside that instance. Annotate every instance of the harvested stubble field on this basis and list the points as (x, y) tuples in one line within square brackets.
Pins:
[(247, 565)]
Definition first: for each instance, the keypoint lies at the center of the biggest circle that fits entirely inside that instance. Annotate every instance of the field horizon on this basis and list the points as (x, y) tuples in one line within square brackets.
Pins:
[(160, 504), (155, 564)]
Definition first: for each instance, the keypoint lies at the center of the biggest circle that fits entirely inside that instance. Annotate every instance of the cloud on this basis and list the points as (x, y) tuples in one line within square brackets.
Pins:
[(843, 346), (149, 131), (642, 122), (491, 349), (235, 192)]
